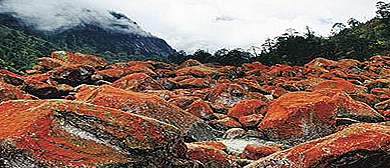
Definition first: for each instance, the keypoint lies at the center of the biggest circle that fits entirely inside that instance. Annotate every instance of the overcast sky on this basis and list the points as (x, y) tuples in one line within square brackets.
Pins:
[(214, 24)]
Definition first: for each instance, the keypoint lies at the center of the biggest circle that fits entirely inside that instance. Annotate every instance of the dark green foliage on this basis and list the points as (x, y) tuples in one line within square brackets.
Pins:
[(18, 50), (235, 57), (357, 41)]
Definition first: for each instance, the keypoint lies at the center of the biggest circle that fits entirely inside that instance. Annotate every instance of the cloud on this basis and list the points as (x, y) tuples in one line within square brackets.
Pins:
[(208, 24), (225, 18)]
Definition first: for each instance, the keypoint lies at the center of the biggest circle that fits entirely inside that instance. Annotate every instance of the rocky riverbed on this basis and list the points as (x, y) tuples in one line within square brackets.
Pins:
[(75, 110)]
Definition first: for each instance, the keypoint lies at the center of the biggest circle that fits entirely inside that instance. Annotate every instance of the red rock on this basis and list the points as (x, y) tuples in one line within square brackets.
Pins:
[(349, 108), (251, 120), (247, 107), (147, 105), (226, 94), (234, 133), (220, 116), (137, 82), (45, 77), (379, 83), (300, 115), (213, 144), (303, 84), (118, 72), (49, 63), (165, 73), (73, 74), (348, 63), (42, 90), (256, 152), (201, 109), (253, 65), (369, 99), (160, 65), (10, 78), (226, 123), (231, 72), (196, 83), (182, 101), (379, 58), (60, 133), (339, 84), (250, 85), (284, 71), (321, 62), (381, 92), (210, 155), (10, 92), (197, 71), (359, 145), (190, 63), (78, 58), (275, 91)]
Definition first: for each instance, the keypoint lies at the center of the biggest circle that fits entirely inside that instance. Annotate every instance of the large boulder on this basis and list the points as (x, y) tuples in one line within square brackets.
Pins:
[(210, 154), (79, 58), (73, 74), (226, 94), (339, 84), (10, 92), (301, 116), (247, 107), (61, 133), (359, 145), (198, 71), (137, 82), (115, 73), (150, 106)]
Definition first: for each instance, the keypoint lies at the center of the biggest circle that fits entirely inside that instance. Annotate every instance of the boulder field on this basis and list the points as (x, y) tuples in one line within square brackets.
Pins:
[(76, 110)]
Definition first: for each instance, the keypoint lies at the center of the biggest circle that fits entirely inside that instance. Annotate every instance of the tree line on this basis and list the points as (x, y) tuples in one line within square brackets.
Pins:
[(354, 40)]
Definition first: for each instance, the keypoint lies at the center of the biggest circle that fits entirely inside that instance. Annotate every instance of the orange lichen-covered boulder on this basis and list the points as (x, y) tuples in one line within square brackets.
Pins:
[(197, 71), (190, 62), (359, 145), (247, 107), (211, 154), (137, 82), (201, 109), (182, 101), (197, 83), (42, 90), (254, 65), (349, 108), (321, 62), (147, 105), (255, 152), (284, 71), (226, 94), (338, 84), (225, 123), (299, 116), (10, 92), (115, 73), (10, 78), (251, 120), (78, 58), (73, 74), (61, 133), (49, 63)]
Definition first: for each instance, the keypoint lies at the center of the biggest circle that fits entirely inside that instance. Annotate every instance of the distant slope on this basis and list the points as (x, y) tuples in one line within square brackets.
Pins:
[(115, 37)]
